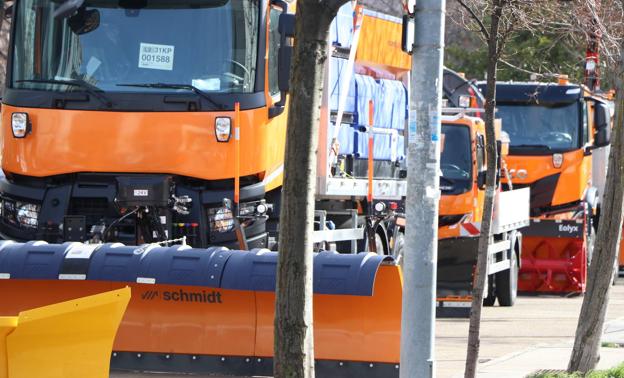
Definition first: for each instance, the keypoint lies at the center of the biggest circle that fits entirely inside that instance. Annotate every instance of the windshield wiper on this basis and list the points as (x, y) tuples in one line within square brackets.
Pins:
[(189, 87), (535, 146), (89, 88)]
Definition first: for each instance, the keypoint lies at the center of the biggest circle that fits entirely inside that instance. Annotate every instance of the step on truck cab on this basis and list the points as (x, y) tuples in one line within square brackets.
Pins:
[(462, 185), (558, 133)]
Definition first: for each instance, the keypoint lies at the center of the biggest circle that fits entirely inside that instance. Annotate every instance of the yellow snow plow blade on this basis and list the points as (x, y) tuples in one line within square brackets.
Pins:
[(66, 339)]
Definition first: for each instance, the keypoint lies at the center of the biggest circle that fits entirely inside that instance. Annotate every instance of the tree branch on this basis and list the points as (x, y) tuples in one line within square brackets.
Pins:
[(513, 66), (476, 18)]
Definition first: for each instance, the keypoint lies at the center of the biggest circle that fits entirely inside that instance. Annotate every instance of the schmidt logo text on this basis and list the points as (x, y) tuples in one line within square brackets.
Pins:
[(185, 296)]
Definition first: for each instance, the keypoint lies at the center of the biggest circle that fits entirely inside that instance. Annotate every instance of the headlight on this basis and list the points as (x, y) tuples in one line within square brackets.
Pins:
[(247, 209), (223, 129), (20, 124), (22, 214), (27, 214), (221, 219), (8, 211)]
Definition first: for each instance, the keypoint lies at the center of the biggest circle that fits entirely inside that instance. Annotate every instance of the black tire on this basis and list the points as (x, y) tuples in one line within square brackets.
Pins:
[(399, 248), (380, 241), (490, 300), (591, 240), (507, 283)]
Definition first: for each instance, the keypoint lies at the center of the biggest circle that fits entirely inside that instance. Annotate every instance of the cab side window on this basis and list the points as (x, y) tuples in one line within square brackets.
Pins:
[(274, 45)]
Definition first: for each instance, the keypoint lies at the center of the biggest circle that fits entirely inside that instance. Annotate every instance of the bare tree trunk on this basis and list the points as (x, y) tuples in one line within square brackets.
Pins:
[(490, 191), (586, 352), (5, 30), (294, 351)]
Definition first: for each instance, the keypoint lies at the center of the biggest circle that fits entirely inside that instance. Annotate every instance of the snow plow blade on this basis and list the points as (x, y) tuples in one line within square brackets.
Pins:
[(554, 257), (63, 340), (457, 258), (211, 311)]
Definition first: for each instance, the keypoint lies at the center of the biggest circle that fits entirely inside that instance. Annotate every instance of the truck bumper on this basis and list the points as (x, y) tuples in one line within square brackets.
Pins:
[(457, 258), (89, 199)]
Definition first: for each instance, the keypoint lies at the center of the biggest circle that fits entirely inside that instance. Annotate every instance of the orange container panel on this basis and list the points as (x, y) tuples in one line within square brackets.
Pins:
[(380, 45)]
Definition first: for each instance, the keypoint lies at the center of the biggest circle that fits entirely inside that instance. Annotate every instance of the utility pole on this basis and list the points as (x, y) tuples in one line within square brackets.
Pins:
[(423, 193)]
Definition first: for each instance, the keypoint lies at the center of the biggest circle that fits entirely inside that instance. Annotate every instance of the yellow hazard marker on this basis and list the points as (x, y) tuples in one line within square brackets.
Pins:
[(64, 340)]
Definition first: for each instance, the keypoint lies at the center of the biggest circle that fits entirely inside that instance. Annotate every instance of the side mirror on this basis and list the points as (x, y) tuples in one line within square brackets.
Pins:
[(407, 34), (67, 8), (287, 30), (84, 21), (480, 156), (602, 125)]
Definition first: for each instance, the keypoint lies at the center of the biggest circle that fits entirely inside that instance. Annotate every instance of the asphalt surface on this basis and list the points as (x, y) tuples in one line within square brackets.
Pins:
[(534, 320), (507, 333)]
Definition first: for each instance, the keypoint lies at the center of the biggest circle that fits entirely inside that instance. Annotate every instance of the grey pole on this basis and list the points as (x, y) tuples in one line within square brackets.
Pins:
[(423, 193)]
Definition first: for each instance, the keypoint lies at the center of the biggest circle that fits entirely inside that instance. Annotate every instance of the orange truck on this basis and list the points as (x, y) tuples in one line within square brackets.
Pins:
[(118, 134), (462, 184), (152, 123), (559, 137)]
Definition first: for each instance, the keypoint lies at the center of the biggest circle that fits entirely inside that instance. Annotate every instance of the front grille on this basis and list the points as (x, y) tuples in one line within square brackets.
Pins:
[(93, 209), (97, 211)]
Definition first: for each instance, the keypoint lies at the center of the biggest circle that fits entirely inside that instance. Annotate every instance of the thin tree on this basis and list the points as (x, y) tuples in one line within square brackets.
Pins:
[(5, 29), (496, 20), (586, 350), (493, 43), (293, 344)]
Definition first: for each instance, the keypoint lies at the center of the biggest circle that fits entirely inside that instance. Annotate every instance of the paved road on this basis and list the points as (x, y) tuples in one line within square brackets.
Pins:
[(534, 320)]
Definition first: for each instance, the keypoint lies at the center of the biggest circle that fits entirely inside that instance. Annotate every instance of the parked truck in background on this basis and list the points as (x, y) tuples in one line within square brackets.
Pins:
[(462, 184), (557, 132)]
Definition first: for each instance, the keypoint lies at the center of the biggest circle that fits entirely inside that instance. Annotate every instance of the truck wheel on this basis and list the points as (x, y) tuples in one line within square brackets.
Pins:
[(507, 283), (591, 240), (491, 293), (380, 244), (399, 248)]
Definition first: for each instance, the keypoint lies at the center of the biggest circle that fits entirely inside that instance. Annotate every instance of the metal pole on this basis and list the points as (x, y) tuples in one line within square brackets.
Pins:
[(423, 194)]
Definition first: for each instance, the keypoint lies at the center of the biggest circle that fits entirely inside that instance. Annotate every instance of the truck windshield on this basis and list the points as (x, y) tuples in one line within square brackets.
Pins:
[(541, 129), (209, 44), (456, 159)]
